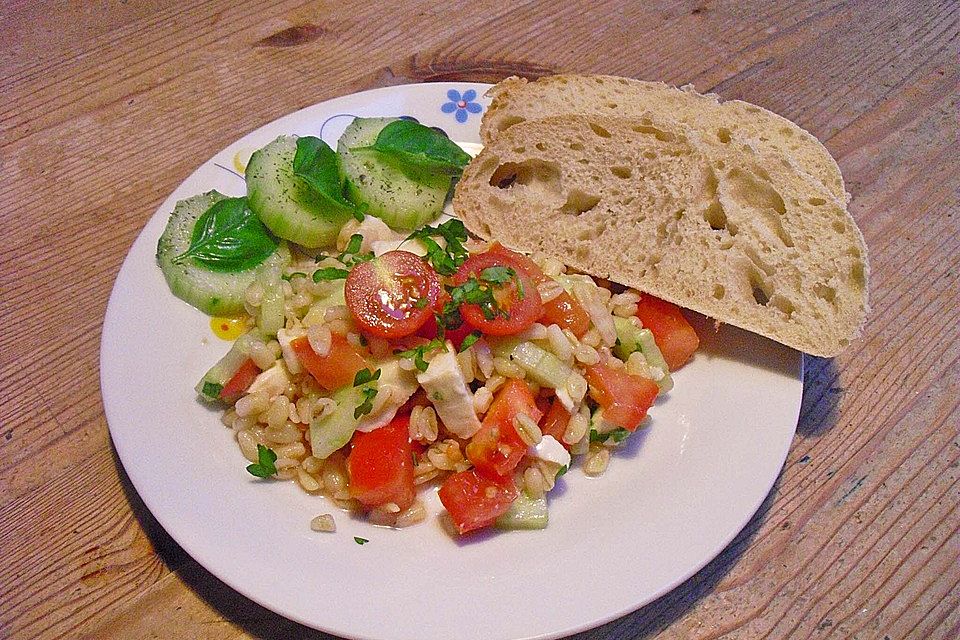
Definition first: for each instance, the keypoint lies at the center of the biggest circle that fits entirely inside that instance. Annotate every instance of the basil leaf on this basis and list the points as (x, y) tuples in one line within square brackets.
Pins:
[(329, 273), (316, 164), (228, 237), (415, 145)]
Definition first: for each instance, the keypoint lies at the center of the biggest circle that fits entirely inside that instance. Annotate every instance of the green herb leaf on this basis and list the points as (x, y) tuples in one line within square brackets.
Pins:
[(420, 147), (447, 260), (619, 435), (418, 353), (366, 406), (364, 376), (562, 470), (470, 340), (317, 164), (265, 459), (289, 276), (329, 273), (353, 246), (228, 237), (212, 389), (497, 275), (360, 541)]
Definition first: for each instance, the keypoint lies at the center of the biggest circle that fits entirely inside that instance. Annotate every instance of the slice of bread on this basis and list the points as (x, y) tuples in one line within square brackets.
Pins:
[(516, 100), (729, 230)]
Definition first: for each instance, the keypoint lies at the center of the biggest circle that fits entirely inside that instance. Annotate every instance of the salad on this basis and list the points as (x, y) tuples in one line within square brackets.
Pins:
[(383, 351)]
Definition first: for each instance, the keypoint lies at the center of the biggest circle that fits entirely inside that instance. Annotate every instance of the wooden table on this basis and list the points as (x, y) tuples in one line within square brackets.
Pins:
[(107, 106)]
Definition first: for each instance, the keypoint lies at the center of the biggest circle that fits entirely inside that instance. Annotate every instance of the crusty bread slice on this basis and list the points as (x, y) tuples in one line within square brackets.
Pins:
[(516, 100), (726, 230)]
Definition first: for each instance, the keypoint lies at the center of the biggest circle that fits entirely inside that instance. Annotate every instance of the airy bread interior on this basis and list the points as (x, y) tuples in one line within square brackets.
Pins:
[(728, 228)]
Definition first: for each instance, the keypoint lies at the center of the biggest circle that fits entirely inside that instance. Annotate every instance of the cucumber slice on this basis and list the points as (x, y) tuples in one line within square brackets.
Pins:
[(632, 339), (334, 430), (219, 374), (285, 203), (402, 198), (525, 513), (214, 293)]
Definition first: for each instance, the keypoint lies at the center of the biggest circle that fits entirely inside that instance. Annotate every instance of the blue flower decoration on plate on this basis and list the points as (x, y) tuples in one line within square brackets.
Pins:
[(461, 104)]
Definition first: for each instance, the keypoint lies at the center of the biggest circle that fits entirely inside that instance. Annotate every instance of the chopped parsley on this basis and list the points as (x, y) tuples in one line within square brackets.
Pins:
[(364, 376), (329, 273), (418, 353), (264, 468), (562, 470), (470, 340), (619, 435), (446, 260), (360, 541), (289, 277), (366, 406)]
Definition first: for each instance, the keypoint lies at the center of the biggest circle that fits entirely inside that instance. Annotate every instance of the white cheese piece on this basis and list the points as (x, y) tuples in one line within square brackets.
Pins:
[(285, 337), (451, 398), (551, 451), (399, 384), (273, 381)]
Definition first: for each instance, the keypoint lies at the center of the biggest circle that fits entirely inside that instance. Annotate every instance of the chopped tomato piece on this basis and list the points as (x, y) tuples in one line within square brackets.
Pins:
[(517, 303), (337, 368), (381, 465), (239, 382), (392, 296), (497, 448), (624, 398), (474, 500), (555, 422), (564, 310), (674, 336), (429, 331)]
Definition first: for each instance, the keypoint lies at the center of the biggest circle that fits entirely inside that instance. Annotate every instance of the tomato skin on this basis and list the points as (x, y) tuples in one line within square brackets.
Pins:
[(337, 368), (430, 331), (496, 449), (239, 382), (522, 312), (381, 465), (555, 422), (384, 295), (474, 500), (564, 310), (674, 336), (624, 398)]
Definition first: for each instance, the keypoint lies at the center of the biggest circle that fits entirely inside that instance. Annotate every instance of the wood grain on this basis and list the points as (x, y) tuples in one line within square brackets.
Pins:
[(108, 106)]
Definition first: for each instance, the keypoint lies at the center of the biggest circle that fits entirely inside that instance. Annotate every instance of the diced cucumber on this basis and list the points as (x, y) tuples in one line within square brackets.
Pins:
[(213, 292), (334, 430), (403, 198), (285, 203), (546, 369), (318, 310), (271, 318), (219, 374), (632, 339), (525, 513)]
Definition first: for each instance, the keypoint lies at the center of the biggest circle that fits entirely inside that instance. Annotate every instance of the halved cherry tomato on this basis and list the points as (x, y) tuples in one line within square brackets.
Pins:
[(555, 422), (392, 296), (496, 448), (337, 368), (563, 310), (474, 500), (517, 300), (239, 382), (381, 465), (674, 336), (624, 398)]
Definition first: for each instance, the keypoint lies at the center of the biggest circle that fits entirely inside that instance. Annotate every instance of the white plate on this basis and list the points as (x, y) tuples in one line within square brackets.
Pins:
[(672, 499)]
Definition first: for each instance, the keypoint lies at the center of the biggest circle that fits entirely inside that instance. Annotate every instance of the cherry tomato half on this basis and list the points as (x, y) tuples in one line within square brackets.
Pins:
[(517, 299), (392, 296)]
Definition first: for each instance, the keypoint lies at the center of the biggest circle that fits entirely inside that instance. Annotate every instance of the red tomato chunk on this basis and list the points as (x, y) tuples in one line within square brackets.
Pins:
[(381, 465), (475, 501), (496, 448), (673, 334), (624, 398), (337, 368), (239, 382)]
